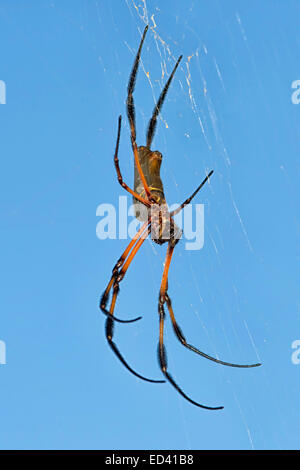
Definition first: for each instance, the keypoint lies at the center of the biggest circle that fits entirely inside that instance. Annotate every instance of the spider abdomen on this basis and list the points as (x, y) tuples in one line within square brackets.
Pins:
[(150, 163), (163, 227)]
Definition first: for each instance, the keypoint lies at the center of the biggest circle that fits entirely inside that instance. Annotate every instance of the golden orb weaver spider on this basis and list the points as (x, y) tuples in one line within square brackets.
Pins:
[(158, 221)]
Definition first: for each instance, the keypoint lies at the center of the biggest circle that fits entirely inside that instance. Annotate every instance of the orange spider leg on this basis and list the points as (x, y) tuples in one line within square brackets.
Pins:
[(131, 116), (162, 355), (110, 320), (119, 174), (115, 271), (183, 341)]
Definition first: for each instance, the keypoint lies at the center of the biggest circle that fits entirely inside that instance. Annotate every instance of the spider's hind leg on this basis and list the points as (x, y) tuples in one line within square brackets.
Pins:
[(162, 356), (104, 300), (116, 274), (182, 339), (109, 329)]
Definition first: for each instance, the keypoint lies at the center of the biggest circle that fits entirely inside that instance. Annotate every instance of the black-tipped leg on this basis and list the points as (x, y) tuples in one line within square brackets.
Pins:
[(118, 274), (119, 174), (109, 327), (102, 305), (158, 106), (188, 200), (131, 86), (162, 357), (182, 339)]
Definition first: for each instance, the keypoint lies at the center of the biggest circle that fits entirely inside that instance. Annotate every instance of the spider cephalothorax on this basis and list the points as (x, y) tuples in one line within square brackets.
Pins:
[(152, 210), (163, 226)]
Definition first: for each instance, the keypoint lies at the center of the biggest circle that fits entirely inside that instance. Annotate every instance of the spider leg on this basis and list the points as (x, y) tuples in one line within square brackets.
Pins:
[(188, 200), (162, 356), (131, 115), (158, 106), (115, 272), (120, 275), (117, 166), (109, 327), (182, 339)]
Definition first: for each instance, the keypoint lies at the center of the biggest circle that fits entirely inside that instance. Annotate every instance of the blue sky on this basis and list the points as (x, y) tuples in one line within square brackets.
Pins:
[(66, 66)]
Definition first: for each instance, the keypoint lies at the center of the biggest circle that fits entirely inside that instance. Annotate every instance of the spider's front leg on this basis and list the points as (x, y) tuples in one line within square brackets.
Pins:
[(131, 116), (119, 174)]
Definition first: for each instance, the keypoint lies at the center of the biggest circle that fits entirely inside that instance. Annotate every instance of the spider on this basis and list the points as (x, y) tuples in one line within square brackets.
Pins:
[(151, 209)]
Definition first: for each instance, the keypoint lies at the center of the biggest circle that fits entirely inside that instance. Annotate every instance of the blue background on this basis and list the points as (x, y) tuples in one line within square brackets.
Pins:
[(66, 65)]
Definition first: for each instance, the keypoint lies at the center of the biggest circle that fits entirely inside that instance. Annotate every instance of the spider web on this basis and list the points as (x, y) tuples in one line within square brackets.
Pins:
[(228, 109), (210, 308), (192, 80)]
